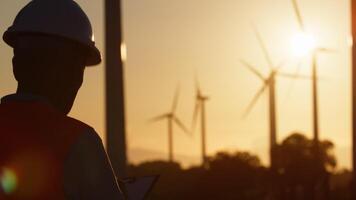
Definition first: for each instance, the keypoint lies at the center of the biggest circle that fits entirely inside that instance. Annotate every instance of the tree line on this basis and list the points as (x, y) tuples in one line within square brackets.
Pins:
[(299, 173)]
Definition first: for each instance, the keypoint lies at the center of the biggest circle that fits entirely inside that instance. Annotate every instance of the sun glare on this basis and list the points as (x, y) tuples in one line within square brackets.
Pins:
[(303, 44), (350, 41), (123, 52)]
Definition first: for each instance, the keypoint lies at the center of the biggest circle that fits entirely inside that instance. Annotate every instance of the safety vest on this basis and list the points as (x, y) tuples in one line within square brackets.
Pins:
[(34, 143)]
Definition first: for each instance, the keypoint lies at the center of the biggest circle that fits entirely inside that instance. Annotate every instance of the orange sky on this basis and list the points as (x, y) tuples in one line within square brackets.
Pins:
[(168, 41)]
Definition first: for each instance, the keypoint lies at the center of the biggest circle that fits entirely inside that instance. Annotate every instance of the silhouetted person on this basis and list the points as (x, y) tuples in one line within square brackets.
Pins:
[(44, 154)]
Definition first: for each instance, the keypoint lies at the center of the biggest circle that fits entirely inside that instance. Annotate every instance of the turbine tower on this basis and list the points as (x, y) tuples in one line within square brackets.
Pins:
[(200, 101), (270, 84), (171, 120)]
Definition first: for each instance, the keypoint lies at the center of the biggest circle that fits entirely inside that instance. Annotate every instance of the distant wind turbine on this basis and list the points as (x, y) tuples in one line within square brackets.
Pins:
[(200, 101), (171, 119), (270, 83)]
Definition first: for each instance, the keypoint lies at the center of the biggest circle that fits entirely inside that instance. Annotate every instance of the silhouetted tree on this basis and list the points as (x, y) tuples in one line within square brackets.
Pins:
[(240, 175), (236, 175), (154, 167), (298, 165), (236, 160)]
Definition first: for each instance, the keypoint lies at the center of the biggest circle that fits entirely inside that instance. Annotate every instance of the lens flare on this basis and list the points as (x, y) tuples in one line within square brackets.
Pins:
[(303, 44), (123, 52), (350, 41), (8, 180)]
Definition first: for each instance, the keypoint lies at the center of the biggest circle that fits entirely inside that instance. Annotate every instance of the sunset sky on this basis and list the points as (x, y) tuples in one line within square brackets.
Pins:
[(168, 42)]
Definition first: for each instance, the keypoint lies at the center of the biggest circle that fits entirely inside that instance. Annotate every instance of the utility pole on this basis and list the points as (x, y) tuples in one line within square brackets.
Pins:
[(115, 104), (353, 86)]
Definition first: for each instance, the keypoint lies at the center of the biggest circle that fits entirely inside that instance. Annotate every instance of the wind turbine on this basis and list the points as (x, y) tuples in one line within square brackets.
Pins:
[(200, 101), (270, 84), (314, 52), (171, 120)]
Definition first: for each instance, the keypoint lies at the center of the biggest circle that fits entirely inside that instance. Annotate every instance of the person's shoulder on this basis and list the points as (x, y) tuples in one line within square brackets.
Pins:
[(87, 145), (75, 123), (77, 131), (90, 136), (86, 141)]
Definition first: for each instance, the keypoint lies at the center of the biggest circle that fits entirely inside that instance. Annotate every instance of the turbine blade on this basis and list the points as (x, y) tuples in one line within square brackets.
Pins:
[(299, 15), (252, 69), (294, 76), (293, 80), (263, 47), (280, 65), (181, 125), (158, 118), (195, 115), (326, 50), (175, 99), (254, 100), (197, 85)]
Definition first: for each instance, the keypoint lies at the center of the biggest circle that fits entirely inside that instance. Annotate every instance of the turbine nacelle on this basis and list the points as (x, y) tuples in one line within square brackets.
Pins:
[(200, 100)]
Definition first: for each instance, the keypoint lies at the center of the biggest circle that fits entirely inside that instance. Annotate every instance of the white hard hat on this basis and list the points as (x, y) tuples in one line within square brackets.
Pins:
[(61, 18)]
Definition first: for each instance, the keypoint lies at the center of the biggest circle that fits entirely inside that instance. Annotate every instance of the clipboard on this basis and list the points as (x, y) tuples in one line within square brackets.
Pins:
[(139, 188)]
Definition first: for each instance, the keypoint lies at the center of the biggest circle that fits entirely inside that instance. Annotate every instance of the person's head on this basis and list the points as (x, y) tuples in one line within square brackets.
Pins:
[(53, 41), (51, 67)]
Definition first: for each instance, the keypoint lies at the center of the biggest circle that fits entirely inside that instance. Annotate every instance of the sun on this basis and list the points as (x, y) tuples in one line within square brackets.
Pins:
[(303, 44)]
